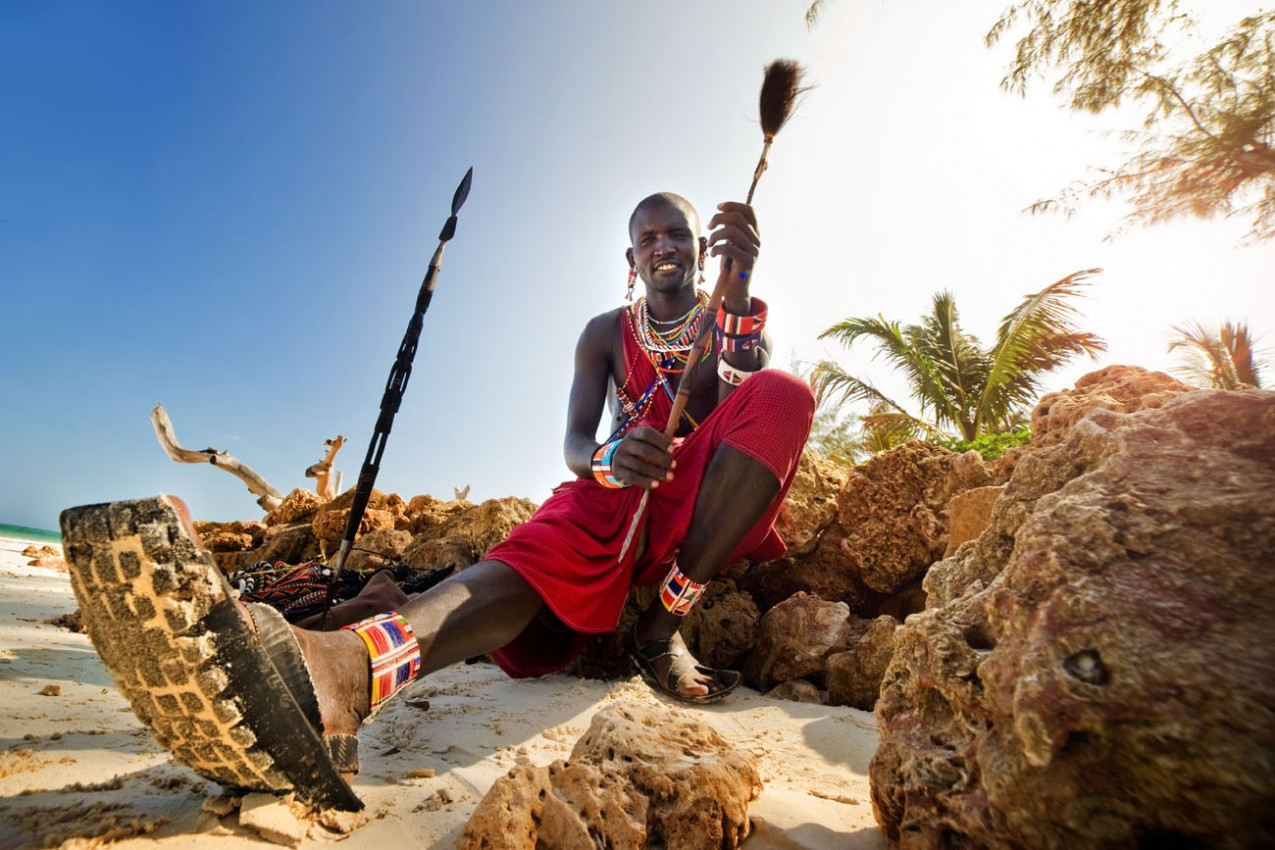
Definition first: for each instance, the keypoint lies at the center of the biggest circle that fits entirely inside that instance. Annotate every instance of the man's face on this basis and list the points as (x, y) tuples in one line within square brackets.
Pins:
[(666, 246)]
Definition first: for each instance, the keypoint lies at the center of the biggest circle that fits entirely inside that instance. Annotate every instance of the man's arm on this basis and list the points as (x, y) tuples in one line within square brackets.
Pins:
[(736, 238), (643, 457), (588, 391)]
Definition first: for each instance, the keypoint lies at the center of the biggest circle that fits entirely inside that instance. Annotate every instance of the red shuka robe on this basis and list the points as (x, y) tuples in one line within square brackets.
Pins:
[(578, 550)]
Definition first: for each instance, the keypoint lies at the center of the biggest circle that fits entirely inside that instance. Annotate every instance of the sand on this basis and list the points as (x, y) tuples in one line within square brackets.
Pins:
[(77, 769)]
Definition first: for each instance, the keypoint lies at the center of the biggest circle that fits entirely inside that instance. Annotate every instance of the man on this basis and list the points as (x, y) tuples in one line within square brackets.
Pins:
[(643, 510)]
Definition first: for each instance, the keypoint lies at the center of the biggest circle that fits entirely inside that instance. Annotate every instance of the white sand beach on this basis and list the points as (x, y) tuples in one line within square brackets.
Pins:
[(77, 769)]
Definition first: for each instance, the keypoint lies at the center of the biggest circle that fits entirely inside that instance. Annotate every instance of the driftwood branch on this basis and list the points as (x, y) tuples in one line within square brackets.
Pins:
[(327, 485), (268, 497)]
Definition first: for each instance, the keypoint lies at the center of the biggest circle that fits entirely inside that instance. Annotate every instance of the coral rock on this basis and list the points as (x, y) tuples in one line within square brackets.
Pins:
[(969, 513), (640, 776), (811, 503), (854, 676), (796, 637), (298, 505), (796, 690), (1107, 681), (892, 510), (381, 548), (1123, 389), (328, 526), (460, 534)]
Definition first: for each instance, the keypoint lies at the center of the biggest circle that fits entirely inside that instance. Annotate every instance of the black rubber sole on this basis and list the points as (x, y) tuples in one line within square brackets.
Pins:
[(186, 655)]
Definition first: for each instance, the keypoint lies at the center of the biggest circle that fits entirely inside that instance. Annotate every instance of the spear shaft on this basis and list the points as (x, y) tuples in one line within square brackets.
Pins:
[(394, 387)]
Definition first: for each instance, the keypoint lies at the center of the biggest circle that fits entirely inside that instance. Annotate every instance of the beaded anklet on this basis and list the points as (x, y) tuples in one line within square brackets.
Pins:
[(601, 464), (393, 652), (679, 593)]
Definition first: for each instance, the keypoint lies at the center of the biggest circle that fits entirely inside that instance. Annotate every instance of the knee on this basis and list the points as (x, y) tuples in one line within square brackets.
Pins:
[(786, 394)]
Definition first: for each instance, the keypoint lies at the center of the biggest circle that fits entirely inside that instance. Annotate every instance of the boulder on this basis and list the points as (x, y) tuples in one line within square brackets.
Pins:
[(1105, 679), (641, 776), (722, 627), (797, 690), (46, 557), (824, 572), (289, 543), (892, 510), (854, 676), (795, 639)]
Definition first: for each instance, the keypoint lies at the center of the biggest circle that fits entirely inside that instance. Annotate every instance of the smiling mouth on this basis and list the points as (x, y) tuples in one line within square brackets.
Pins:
[(667, 267)]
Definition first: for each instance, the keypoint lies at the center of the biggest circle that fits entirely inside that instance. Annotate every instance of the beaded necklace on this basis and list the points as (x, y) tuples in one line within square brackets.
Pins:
[(668, 348), (665, 349)]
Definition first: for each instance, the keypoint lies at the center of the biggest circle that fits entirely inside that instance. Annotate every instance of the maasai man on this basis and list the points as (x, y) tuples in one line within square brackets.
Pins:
[(642, 510)]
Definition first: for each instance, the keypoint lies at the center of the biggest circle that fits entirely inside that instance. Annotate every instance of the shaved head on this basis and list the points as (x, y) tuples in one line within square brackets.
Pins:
[(667, 199)]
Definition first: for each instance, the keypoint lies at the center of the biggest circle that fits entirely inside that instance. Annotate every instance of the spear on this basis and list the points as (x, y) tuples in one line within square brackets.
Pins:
[(780, 88), (394, 387)]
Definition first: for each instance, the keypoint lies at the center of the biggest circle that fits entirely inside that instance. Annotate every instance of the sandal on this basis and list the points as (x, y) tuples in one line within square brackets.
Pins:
[(681, 663)]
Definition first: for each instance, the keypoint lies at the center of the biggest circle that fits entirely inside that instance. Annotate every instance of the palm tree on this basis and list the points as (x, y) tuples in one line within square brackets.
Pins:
[(955, 380), (1221, 359)]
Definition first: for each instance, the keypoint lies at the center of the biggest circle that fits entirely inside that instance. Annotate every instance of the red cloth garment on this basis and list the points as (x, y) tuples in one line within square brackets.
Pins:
[(573, 550)]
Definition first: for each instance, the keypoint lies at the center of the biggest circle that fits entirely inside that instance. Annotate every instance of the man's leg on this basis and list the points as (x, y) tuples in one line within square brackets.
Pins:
[(735, 494), (480, 609)]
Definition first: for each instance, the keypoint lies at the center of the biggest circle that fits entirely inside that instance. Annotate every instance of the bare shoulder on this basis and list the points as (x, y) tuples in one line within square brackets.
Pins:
[(601, 332)]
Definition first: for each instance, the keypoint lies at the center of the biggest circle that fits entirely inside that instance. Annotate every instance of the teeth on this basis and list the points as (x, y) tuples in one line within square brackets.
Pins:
[(664, 266)]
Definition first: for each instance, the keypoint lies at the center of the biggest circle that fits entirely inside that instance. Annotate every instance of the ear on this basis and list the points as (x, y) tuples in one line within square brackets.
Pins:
[(628, 255), (703, 251)]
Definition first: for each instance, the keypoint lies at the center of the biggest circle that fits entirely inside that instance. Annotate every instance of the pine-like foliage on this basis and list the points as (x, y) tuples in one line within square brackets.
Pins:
[(955, 380), (1207, 142)]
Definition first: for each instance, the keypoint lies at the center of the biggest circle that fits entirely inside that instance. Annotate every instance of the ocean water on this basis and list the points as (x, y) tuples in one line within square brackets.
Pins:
[(35, 535)]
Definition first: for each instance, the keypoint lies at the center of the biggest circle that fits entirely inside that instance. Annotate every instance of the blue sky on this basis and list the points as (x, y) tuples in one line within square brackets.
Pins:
[(228, 207)]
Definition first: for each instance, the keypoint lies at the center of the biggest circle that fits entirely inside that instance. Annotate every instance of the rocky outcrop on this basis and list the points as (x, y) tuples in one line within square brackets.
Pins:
[(1121, 389), (460, 534), (640, 776), (1098, 669), (892, 510), (811, 504)]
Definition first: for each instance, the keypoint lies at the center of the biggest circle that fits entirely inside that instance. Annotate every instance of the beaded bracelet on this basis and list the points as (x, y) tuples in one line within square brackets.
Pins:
[(741, 333), (733, 375), (602, 465)]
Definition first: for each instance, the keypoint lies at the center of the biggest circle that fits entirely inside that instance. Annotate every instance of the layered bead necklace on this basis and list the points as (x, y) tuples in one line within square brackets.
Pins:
[(667, 344)]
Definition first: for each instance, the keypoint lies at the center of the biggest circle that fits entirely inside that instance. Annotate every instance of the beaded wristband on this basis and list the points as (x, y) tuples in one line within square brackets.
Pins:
[(733, 375), (741, 333), (602, 465)]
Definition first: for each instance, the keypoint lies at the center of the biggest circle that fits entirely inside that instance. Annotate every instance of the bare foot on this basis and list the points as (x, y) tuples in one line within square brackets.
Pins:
[(339, 670)]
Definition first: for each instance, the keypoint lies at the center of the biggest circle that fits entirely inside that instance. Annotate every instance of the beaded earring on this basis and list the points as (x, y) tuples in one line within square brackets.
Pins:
[(701, 269), (628, 295)]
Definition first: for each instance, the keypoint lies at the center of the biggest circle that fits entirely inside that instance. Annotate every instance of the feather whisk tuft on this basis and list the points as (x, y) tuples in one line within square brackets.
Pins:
[(779, 91)]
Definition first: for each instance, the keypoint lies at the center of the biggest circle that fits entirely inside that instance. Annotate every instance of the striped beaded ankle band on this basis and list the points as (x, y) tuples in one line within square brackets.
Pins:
[(393, 653)]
